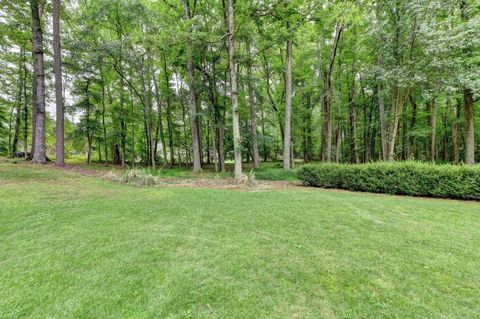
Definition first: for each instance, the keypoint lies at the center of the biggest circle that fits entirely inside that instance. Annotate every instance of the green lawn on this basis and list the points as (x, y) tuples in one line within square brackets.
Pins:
[(76, 246)]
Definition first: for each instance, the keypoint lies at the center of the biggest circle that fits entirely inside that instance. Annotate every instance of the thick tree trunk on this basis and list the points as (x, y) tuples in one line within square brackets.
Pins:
[(233, 91), (39, 155), (193, 99), (57, 58), (253, 111)]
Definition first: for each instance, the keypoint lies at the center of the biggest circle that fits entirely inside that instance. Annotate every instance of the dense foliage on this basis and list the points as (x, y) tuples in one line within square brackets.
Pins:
[(145, 80), (408, 178)]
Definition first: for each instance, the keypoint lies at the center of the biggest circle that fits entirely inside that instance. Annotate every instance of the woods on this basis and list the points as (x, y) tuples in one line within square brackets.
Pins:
[(195, 83)]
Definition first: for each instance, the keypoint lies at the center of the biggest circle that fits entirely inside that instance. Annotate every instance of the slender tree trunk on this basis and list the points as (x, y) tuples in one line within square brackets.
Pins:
[(413, 122), (253, 111), (433, 127), (39, 155), (354, 156), (57, 57), (399, 103), (123, 129), (192, 101), (169, 114), (233, 91), (25, 109), (288, 106), (18, 104), (327, 100), (469, 127), (383, 124), (104, 127), (160, 119), (89, 129), (456, 133)]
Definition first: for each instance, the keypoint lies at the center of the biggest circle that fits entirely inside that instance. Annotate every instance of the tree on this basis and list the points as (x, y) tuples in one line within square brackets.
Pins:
[(233, 91), (60, 144), (39, 154)]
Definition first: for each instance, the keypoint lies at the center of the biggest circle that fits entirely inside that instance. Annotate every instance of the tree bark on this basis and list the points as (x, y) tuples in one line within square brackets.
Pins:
[(399, 104), (469, 127), (169, 115), (39, 155), (160, 119), (433, 127), (456, 133), (233, 91), (104, 127), (288, 105), (192, 100), (253, 110), (57, 63), (18, 103), (327, 100), (413, 122), (468, 103)]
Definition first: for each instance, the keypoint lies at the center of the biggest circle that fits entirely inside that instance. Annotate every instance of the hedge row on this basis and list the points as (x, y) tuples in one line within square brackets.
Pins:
[(403, 178)]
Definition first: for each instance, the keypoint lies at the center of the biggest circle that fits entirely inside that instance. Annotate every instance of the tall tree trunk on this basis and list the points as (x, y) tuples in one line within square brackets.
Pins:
[(169, 112), (468, 103), (18, 103), (89, 127), (39, 155), (160, 119), (354, 156), (327, 100), (192, 101), (233, 91), (57, 58), (253, 111), (25, 109), (288, 105), (148, 111), (104, 127)]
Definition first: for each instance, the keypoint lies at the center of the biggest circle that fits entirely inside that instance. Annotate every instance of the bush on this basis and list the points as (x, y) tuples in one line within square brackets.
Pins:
[(138, 177), (402, 178)]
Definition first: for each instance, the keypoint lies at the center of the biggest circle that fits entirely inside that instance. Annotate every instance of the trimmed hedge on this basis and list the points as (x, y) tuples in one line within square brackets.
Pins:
[(402, 178)]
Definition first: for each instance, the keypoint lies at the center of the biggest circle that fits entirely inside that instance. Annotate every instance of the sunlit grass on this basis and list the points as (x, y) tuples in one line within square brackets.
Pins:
[(76, 246)]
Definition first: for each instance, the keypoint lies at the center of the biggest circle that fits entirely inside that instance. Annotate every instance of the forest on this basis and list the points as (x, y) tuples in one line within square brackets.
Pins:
[(239, 159), (194, 83)]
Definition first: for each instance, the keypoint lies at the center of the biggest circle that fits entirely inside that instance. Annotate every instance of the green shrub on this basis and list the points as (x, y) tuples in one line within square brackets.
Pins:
[(403, 178)]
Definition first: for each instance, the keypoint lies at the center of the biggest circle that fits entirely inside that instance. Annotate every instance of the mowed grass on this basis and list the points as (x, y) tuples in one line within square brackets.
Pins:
[(74, 246)]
